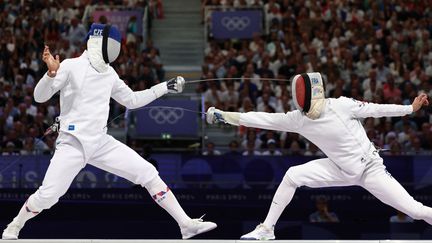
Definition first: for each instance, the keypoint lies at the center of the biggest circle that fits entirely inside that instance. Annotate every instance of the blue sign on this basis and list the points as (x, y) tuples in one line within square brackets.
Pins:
[(236, 24), (168, 117)]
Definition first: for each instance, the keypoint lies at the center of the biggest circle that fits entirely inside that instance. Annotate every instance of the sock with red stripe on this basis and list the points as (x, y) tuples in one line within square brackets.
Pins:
[(163, 196), (25, 214)]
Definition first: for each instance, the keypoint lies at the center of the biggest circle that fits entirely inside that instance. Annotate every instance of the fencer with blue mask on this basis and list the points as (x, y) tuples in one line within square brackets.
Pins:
[(334, 126), (86, 84)]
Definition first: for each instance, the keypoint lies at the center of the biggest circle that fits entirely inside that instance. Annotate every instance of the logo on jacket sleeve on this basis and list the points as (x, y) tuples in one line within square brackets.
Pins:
[(71, 127)]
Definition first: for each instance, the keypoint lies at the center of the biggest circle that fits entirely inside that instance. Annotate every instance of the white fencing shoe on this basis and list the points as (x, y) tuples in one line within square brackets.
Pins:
[(261, 232), (195, 227), (12, 231)]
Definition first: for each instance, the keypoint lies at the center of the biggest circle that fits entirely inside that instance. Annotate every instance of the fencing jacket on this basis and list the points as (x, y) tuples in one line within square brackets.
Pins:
[(85, 96), (338, 132)]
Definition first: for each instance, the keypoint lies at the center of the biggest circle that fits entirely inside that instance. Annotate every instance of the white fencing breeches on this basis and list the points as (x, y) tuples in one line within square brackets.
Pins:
[(111, 155), (375, 179)]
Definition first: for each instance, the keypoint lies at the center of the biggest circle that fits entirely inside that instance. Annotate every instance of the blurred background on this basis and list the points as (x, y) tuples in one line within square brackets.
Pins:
[(376, 51)]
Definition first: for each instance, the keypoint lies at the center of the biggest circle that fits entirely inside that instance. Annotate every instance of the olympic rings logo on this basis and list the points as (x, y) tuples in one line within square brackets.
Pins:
[(235, 23), (163, 115)]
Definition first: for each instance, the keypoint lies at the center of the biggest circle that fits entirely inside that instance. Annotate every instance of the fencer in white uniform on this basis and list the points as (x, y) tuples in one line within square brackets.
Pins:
[(334, 125), (86, 85)]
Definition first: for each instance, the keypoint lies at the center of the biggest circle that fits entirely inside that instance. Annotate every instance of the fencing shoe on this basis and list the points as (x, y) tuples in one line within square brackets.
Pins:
[(261, 232), (12, 231), (195, 227)]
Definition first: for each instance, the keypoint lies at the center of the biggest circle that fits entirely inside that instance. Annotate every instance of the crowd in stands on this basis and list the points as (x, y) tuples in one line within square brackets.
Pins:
[(373, 51), (26, 27)]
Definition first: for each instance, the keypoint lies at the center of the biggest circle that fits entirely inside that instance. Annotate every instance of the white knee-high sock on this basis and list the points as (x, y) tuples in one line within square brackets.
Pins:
[(163, 196), (281, 199), (25, 214)]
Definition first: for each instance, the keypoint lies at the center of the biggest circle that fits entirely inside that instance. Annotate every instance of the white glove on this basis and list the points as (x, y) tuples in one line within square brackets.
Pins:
[(176, 85), (215, 116)]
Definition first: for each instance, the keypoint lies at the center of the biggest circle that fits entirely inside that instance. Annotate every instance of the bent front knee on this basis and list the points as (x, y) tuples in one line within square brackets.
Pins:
[(45, 198), (39, 202)]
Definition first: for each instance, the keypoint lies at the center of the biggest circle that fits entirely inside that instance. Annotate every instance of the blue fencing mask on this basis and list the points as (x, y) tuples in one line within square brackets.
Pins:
[(103, 45)]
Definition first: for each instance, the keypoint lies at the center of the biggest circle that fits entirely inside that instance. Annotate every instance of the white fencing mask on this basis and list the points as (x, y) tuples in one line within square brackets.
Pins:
[(308, 93)]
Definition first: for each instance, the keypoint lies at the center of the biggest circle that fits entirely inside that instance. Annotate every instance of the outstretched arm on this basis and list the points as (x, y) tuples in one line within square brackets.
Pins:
[(289, 122), (55, 79), (365, 109), (132, 100)]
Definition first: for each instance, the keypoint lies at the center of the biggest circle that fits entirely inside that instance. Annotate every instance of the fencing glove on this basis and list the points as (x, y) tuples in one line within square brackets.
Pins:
[(216, 116), (176, 85)]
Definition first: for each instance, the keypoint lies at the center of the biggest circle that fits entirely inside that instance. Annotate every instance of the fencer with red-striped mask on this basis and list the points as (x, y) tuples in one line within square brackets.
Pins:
[(86, 84), (334, 125)]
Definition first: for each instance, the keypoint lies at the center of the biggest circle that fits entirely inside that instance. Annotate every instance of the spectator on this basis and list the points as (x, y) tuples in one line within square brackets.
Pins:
[(282, 88), (363, 66), (12, 142), (76, 35), (382, 70), (230, 97), (233, 148), (404, 124), (372, 91), (395, 148), (132, 30), (10, 149), (266, 100), (416, 73), (251, 135), (28, 147), (213, 96), (31, 109), (267, 135), (272, 11), (250, 75), (287, 140), (256, 42), (264, 69), (247, 105), (414, 147), (392, 94), (397, 67), (295, 149), (372, 78), (150, 47), (424, 134), (211, 150), (251, 149), (39, 145), (284, 104), (323, 215), (271, 149)]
